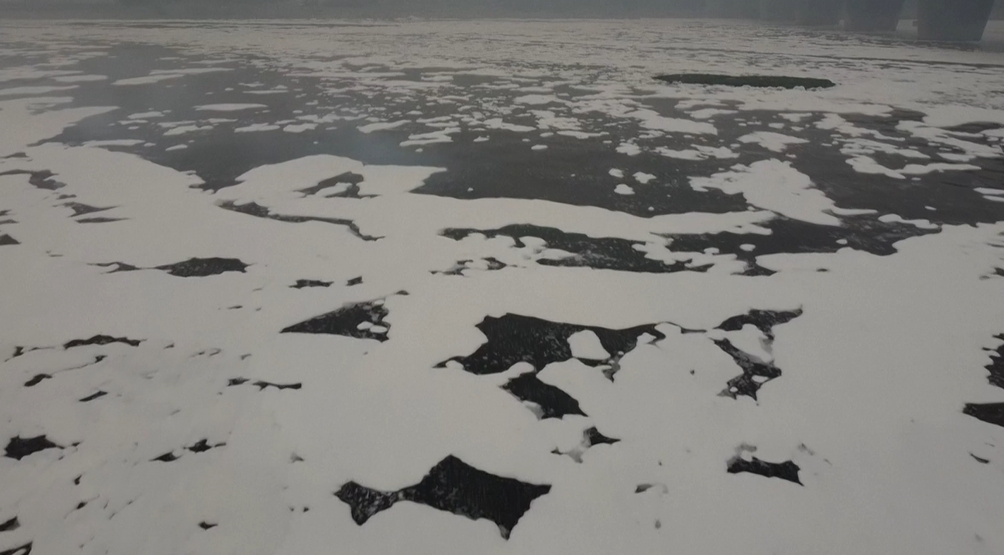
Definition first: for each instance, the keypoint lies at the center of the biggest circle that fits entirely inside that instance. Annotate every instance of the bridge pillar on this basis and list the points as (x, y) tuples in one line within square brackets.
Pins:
[(953, 20), (738, 9), (820, 12), (873, 15), (779, 10)]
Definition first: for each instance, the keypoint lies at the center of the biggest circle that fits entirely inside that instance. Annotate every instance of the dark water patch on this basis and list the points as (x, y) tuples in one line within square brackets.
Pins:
[(9, 525), (79, 208), (975, 127), (576, 171), (21, 550), (255, 209), (42, 179), (7, 222), (207, 525), (494, 263), (37, 380), (219, 155), (764, 320), (553, 402), (864, 233), (594, 437), (455, 487), (102, 340), (202, 446), (94, 396), (755, 270), (950, 193), (991, 413), (203, 267), (456, 270), (116, 267), (642, 488), (513, 338), (347, 320), (99, 220), (590, 438), (758, 81), (8, 240), (588, 252), (301, 283), (166, 457), (996, 366), (755, 374), (491, 264), (786, 470), (262, 385), (19, 448), (351, 179)]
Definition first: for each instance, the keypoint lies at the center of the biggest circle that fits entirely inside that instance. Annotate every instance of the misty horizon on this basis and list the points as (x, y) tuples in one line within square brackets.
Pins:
[(280, 9)]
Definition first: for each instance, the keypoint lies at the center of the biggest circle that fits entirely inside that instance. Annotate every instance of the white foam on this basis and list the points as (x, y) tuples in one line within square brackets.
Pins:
[(774, 142), (18, 91), (649, 119), (234, 107), (254, 127), (382, 126), (585, 344), (538, 99), (773, 185), (299, 128), (643, 178)]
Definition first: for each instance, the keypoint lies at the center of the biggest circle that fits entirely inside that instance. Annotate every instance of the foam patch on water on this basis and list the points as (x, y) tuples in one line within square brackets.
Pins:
[(774, 185)]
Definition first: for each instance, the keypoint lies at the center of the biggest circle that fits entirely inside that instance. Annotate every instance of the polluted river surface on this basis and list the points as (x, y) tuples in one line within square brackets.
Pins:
[(493, 287)]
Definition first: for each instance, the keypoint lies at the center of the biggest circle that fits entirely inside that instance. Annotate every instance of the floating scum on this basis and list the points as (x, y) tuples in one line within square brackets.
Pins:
[(337, 341)]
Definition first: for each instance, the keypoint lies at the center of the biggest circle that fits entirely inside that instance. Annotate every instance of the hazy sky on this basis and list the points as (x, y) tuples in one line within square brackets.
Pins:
[(566, 7), (559, 8)]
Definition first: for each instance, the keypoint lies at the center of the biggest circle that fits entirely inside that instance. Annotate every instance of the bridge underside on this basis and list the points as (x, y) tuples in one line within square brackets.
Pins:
[(953, 20), (744, 9), (944, 20), (779, 10), (873, 15), (819, 12)]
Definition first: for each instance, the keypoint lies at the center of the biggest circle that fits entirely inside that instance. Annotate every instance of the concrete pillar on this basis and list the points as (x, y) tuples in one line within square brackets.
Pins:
[(953, 20), (820, 12), (873, 15), (779, 10), (737, 9)]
